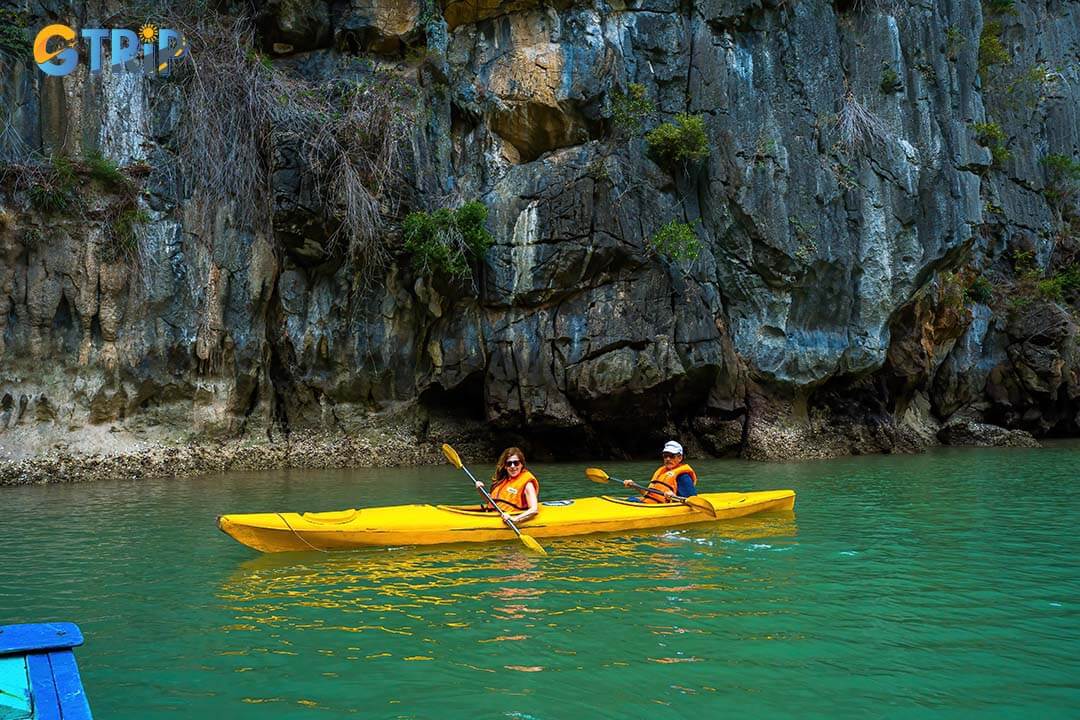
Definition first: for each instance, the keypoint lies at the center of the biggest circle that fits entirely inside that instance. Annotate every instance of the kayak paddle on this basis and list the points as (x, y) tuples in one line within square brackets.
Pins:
[(527, 540), (698, 503)]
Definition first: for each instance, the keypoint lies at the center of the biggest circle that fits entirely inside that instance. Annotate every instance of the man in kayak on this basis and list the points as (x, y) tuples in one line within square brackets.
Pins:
[(674, 477), (513, 487)]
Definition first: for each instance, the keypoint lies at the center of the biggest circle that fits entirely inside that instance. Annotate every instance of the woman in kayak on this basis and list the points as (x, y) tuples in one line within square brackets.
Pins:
[(674, 477), (513, 487)]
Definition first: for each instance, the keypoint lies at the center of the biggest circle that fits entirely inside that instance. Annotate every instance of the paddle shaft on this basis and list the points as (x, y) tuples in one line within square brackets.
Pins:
[(482, 489), (634, 485)]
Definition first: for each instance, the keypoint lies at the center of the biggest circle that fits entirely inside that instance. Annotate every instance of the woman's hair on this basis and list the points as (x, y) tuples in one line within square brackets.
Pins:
[(500, 467)]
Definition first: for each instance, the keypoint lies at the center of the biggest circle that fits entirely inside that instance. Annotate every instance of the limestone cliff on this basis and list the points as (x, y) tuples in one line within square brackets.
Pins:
[(886, 223)]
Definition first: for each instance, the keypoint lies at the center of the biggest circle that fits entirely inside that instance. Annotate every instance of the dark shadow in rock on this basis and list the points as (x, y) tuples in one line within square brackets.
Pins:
[(65, 327), (464, 400), (287, 27), (536, 128)]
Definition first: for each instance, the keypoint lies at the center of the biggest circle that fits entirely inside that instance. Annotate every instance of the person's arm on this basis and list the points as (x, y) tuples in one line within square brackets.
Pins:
[(484, 504), (685, 485), (532, 501)]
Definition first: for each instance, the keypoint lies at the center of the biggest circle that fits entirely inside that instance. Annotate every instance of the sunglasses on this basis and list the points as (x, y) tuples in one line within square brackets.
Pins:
[(667, 455), (512, 463)]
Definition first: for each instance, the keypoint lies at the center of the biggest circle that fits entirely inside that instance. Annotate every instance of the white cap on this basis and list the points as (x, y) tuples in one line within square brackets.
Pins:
[(673, 447)]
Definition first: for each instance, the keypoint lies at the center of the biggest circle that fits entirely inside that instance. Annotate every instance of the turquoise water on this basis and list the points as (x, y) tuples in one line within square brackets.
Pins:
[(943, 585)]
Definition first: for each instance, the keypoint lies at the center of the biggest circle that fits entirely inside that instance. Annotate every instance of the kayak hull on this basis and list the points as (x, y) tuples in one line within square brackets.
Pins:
[(438, 524)]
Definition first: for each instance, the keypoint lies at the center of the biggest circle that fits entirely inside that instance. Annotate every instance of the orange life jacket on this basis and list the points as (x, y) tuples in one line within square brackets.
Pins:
[(509, 493), (664, 479)]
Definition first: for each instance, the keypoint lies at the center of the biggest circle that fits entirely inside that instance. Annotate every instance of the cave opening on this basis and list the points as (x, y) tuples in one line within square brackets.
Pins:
[(464, 400)]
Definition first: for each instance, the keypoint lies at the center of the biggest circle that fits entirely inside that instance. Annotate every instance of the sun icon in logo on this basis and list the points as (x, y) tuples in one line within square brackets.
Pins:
[(148, 34)]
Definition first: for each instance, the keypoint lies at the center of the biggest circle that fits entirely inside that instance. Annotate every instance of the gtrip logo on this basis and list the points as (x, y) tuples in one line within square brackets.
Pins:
[(151, 50)]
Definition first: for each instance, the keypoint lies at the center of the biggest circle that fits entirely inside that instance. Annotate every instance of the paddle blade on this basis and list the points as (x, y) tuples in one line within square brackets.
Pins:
[(597, 475), (702, 504), (451, 455), (530, 542)]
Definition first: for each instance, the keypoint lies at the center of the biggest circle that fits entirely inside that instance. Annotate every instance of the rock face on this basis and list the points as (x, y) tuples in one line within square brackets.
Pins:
[(885, 238), (962, 432)]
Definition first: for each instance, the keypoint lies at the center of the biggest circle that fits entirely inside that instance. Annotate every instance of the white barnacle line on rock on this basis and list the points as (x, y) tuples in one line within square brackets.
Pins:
[(523, 248), (125, 122)]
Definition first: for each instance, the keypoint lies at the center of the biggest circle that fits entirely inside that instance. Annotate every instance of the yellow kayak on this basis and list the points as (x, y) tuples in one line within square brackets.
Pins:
[(434, 524)]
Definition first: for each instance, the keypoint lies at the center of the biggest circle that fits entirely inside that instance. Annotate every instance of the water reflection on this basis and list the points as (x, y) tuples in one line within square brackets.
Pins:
[(405, 583)]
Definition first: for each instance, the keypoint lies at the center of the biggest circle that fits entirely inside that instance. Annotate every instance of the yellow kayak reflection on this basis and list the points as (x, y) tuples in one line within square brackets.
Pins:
[(412, 571), (471, 608), (441, 524)]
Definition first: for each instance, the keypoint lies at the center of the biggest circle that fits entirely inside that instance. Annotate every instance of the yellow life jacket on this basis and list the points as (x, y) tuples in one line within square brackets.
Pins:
[(664, 479), (509, 493)]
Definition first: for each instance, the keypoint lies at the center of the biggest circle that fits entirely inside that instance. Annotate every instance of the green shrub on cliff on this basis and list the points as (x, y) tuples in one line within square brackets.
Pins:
[(680, 142), (52, 188), (447, 241), (954, 40), (980, 290), (630, 110), (991, 136), (890, 80), (1000, 7), (105, 170), (676, 241), (1062, 178), (991, 47), (13, 38), (1061, 286), (121, 240)]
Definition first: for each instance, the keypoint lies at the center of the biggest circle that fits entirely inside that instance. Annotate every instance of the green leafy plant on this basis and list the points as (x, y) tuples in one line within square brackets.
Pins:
[(954, 40), (13, 38), (991, 47), (104, 170), (1024, 261), (991, 136), (32, 239), (679, 142), (630, 110), (53, 188), (765, 149), (121, 241), (1062, 177), (807, 249), (1000, 155), (258, 60), (447, 241), (980, 290), (890, 81), (1029, 87), (1000, 7), (927, 70), (676, 241), (598, 170), (1061, 286)]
